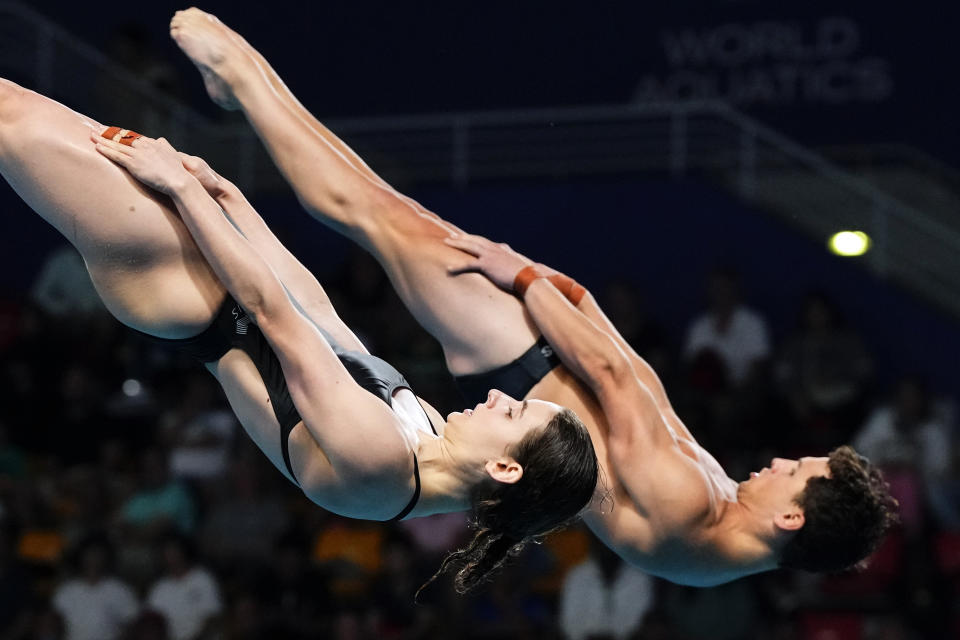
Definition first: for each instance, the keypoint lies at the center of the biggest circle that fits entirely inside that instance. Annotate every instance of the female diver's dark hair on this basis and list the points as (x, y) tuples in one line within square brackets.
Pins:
[(560, 472)]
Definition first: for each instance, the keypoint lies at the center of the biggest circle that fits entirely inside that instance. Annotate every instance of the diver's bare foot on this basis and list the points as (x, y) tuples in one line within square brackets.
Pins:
[(239, 40), (214, 52)]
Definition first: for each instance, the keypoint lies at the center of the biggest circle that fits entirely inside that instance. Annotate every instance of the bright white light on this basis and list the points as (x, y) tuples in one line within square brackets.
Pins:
[(849, 243), (132, 388)]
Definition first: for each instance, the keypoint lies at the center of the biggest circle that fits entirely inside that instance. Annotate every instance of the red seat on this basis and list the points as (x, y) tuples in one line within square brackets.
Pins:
[(820, 625), (947, 545)]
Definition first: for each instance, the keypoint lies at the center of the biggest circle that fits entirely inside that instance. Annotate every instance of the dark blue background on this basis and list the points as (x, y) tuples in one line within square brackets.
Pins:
[(368, 57)]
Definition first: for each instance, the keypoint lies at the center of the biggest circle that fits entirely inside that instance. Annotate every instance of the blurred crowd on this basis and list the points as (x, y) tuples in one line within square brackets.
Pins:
[(132, 504)]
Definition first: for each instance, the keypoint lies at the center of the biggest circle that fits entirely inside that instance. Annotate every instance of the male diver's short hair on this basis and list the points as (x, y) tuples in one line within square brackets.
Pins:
[(846, 516)]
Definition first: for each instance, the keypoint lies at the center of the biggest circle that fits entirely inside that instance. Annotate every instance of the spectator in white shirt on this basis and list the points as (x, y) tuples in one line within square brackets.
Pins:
[(187, 595), (729, 331), (95, 605), (603, 597), (200, 430)]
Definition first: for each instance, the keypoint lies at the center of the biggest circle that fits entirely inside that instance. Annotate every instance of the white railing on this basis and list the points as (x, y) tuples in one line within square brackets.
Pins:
[(704, 139), (917, 249), (709, 140)]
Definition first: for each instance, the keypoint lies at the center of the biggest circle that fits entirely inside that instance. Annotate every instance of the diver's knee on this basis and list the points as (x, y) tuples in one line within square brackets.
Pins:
[(386, 210)]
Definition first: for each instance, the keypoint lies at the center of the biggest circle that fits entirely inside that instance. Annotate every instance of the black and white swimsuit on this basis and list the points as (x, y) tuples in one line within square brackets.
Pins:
[(232, 328)]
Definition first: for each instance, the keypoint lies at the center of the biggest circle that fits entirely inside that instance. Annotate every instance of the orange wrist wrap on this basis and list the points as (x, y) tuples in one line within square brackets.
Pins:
[(126, 139), (523, 279), (570, 288)]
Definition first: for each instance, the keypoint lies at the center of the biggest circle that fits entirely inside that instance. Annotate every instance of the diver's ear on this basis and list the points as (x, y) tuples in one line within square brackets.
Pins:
[(506, 470), (790, 520)]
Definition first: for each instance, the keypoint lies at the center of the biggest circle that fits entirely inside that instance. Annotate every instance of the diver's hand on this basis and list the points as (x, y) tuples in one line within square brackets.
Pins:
[(155, 163), (199, 169), (497, 261)]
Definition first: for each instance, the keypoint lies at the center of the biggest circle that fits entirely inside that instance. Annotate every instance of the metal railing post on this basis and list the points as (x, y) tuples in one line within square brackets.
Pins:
[(881, 225)]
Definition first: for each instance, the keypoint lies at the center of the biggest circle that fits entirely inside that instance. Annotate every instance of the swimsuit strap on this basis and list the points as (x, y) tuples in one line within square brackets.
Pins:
[(416, 494), (285, 431)]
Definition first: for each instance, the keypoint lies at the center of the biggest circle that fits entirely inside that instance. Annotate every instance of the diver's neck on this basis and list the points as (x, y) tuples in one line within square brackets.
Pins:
[(445, 478), (745, 538)]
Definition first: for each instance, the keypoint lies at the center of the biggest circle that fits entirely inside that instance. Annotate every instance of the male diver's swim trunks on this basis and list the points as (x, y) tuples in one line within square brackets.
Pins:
[(514, 379), (233, 328)]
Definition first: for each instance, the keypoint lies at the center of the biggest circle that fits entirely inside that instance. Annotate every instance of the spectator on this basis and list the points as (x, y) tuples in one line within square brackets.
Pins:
[(391, 589), (80, 413), (246, 621), (509, 606), (13, 463), (160, 504), (243, 525), (729, 331), (354, 623), (295, 593), (14, 597), (363, 290), (622, 303), (604, 597), (95, 605), (58, 384), (351, 553), (81, 501), (200, 430), (824, 369), (118, 470), (435, 535), (910, 438), (943, 492), (187, 595)]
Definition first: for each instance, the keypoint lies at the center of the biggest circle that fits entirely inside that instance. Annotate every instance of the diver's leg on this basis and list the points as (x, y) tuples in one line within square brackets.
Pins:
[(185, 24), (479, 326), (141, 258)]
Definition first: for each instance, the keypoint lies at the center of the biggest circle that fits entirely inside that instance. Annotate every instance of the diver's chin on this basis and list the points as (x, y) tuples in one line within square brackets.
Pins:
[(466, 413)]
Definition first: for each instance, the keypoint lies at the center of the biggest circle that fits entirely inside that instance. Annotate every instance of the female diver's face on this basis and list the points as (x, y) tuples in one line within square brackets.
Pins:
[(502, 422)]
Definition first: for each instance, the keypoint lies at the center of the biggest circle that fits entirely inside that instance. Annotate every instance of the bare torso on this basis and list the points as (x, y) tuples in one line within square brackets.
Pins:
[(693, 554)]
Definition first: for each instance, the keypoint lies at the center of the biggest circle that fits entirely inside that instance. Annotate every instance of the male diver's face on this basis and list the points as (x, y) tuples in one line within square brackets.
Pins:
[(504, 421), (779, 484)]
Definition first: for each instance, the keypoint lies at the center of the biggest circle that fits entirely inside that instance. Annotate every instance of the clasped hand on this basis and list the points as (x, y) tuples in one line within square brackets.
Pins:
[(155, 163), (497, 261)]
